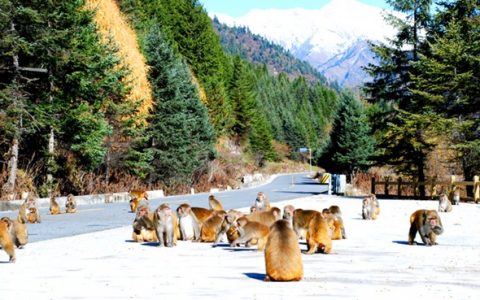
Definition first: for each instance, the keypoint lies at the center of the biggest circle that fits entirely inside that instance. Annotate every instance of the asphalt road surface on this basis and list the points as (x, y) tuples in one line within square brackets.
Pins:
[(97, 217)]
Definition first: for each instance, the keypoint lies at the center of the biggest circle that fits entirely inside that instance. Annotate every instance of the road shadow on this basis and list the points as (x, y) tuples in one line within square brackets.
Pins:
[(257, 276), (222, 245), (240, 249), (414, 243), (306, 193), (130, 241), (150, 244)]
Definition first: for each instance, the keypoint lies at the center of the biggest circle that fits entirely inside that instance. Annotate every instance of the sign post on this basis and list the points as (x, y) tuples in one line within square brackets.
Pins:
[(309, 150)]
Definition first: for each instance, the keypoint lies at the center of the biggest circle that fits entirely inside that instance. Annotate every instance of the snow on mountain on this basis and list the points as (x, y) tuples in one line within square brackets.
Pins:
[(327, 37)]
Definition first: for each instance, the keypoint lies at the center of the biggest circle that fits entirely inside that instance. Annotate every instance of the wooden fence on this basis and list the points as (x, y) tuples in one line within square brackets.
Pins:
[(431, 187)]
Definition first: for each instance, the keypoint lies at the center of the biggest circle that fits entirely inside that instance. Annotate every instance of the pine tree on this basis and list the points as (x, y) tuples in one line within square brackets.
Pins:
[(448, 79), (352, 145), (179, 135), (81, 81), (392, 84)]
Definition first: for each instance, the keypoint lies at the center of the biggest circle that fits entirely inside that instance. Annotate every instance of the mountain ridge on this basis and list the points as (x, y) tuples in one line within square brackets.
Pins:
[(317, 36)]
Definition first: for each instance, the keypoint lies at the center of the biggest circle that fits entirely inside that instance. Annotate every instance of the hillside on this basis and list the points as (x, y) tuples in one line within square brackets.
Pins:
[(258, 50), (324, 37)]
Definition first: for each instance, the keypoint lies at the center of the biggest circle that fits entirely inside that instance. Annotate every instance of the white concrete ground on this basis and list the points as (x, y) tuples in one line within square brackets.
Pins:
[(373, 263)]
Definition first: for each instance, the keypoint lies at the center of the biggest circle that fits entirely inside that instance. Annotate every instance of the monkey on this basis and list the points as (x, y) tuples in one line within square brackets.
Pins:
[(326, 213), (24, 210), (214, 203), (428, 225), (335, 209), (249, 230), (54, 207), (144, 226), (456, 197), (334, 213), (265, 217), (70, 204), (444, 204), (33, 215), (261, 202), (318, 235), (164, 225), (186, 227), (370, 207), (136, 196), (18, 232), (283, 259), (288, 213), (212, 227), (199, 216), (5, 240), (226, 227), (139, 194), (301, 220)]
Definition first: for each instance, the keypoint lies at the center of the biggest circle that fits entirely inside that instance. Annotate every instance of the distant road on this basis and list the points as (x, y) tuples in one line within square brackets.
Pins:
[(97, 217)]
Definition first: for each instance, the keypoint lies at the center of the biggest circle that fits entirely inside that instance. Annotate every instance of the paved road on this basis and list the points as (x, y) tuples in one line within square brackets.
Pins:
[(96, 217)]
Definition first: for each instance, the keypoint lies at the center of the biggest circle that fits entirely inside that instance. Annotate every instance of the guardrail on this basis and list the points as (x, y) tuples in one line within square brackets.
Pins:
[(432, 186)]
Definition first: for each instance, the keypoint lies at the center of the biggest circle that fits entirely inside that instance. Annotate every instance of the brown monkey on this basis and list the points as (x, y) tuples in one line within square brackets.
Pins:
[(54, 207), (18, 232), (283, 259), (249, 230), (199, 216), (214, 203), (444, 204), (370, 207), (318, 235), (70, 204), (266, 217), (164, 225), (211, 228), (33, 215), (261, 202), (456, 197), (288, 213), (226, 227), (301, 220), (326, 213), (24, 210), (139, 194), (335, 209), (428, 225), (5, 240), (144, 226), (334, 214)]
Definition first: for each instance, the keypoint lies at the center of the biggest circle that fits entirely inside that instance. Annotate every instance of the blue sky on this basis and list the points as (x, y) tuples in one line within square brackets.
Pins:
[(237, 8)]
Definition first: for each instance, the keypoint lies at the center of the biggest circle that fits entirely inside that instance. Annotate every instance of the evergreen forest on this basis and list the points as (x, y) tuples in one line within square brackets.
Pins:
[(103, 96)]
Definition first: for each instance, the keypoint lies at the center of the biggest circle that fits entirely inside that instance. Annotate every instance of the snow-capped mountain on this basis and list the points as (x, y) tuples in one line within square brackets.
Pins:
[(333, 39)]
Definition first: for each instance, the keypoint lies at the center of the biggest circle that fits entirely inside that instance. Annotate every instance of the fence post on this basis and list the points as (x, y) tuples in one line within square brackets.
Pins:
[(399, 187), (372, 188), (476, 189), (433, 191), (387, 181)]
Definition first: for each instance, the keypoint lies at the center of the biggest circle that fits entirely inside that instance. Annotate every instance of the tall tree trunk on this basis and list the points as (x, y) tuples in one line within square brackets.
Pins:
[(9, 186), (421, 174)]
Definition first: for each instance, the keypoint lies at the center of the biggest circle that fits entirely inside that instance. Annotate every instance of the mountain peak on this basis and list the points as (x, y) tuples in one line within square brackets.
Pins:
[(318, 35)]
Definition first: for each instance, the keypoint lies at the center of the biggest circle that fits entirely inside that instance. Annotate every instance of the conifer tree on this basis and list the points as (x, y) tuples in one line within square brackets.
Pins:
[(448, 79), (180, 139), (392, 84), (352, 145)]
